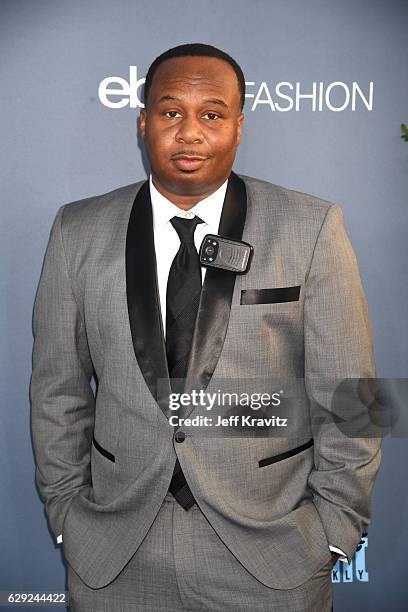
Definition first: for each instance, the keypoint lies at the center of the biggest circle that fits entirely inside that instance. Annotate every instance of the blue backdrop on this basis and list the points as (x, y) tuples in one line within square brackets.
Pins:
[(66, 137)]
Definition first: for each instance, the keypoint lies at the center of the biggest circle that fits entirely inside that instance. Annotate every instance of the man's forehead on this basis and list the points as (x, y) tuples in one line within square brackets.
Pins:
[(197, 71)]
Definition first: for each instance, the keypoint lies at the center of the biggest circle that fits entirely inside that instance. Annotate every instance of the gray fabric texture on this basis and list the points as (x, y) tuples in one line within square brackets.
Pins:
[(277, 520), (183, 565)]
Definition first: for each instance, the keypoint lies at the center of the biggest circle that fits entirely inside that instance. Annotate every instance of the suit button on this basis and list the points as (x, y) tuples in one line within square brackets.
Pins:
[(179, 436)]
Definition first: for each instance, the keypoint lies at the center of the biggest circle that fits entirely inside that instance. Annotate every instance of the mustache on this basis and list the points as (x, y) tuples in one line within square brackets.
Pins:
[(189, 153)]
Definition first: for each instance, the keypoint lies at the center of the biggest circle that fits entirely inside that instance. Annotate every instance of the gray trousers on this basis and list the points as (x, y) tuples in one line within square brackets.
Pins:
[(182, 564)]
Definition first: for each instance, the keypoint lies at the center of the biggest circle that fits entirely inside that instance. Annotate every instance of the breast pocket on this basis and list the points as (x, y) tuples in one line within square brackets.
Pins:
[(276, 295), (286, 454)]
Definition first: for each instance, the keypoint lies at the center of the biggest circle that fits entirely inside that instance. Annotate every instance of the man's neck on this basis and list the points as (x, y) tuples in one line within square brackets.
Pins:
[(184, 202)]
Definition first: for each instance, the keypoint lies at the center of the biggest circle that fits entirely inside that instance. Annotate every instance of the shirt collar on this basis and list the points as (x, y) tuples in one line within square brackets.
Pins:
[(209, 209)]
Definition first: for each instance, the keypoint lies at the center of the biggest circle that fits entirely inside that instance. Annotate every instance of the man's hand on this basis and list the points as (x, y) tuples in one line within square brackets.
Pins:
[(334, 558)]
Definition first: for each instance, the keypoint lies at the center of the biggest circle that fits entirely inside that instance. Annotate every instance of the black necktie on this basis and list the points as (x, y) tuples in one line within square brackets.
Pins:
[(182, 300)]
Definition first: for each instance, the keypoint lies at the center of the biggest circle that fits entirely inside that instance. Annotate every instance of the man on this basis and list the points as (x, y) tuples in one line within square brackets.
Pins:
[(156, 513)]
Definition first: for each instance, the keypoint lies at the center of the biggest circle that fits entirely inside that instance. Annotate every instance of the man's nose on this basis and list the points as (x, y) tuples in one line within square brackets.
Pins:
[(189, 131)]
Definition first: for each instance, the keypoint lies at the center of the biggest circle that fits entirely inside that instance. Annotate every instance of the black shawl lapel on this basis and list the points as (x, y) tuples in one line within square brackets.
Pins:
[(144, 304), (216, 296), (143, 299)]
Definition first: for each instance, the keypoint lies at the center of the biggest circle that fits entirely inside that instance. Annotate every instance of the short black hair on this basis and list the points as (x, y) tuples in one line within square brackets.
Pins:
[(198, 50)]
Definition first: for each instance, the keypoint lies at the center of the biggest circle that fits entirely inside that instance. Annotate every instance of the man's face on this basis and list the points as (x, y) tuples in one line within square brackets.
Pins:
[(191, 125)]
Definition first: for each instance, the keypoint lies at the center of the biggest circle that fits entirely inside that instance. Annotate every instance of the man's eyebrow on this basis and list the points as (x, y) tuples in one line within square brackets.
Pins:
[(218, 101), (166, 98)]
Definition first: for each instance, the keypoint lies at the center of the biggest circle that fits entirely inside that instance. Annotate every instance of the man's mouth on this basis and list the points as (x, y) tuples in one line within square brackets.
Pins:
[(188, 163)]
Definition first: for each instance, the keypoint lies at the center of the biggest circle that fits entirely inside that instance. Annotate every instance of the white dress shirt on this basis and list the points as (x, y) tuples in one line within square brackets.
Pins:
[(167, 243), (166, 240)]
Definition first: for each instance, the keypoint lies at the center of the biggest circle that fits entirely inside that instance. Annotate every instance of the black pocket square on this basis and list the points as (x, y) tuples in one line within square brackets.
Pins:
[(270, 296)]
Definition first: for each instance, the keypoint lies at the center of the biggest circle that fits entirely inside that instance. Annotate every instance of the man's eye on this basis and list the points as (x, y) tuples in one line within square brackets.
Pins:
[(211, 116), (172, 114)]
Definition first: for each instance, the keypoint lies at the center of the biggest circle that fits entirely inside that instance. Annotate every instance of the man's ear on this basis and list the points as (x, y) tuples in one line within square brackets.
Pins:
[(142, 122), (240, 121)]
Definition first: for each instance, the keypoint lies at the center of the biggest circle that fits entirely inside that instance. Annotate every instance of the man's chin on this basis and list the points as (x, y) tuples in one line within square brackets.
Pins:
[(191, 183), (198, 182)]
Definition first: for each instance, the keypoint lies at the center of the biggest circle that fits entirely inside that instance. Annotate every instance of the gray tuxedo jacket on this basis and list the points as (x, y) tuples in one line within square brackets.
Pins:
[(295, 321)]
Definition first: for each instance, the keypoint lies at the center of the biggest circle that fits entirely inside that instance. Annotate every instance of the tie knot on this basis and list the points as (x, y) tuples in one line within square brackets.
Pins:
[(185, 228)]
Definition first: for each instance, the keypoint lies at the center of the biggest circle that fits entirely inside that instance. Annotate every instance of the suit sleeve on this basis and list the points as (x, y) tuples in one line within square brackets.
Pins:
[(338, 347), (62, 400)]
